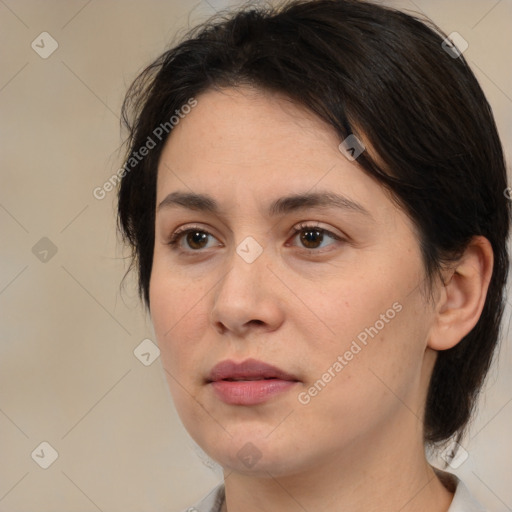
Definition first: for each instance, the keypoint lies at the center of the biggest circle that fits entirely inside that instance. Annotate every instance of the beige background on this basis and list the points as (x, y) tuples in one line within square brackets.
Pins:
[(68, 374)]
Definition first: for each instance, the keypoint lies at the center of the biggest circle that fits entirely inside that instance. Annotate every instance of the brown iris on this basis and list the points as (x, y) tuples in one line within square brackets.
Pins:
[(197, 239), (312, 237)]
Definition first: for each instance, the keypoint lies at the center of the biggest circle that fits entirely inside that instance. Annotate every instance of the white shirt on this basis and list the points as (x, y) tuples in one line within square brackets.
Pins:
[(462, 501)]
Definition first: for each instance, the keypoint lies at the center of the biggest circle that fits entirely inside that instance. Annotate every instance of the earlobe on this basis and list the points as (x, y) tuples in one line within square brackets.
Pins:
[(463, 295)]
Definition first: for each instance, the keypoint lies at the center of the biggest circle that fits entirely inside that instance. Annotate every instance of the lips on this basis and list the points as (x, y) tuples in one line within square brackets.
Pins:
[(247, 370), (248, 383)]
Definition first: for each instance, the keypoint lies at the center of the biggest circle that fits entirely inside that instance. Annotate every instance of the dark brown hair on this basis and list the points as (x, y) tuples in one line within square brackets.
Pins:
[(369, 70)]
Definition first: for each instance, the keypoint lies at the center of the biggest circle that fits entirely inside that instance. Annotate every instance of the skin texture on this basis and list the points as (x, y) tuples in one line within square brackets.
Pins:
[(357, 444)]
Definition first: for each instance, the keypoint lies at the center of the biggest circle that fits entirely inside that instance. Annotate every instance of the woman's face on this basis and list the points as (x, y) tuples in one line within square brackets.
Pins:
[(336, 309)]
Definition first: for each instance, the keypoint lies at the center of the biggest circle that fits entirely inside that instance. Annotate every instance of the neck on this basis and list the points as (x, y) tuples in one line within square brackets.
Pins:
[(388, 473)]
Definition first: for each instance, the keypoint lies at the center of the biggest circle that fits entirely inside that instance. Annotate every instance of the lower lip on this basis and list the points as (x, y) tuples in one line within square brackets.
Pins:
[(250, 392)]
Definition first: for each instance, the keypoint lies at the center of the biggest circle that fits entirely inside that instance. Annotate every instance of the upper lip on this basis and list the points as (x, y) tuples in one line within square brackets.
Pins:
[(250, 369)]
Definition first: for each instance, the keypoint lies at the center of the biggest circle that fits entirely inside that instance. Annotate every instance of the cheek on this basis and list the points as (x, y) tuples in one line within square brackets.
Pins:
[(382, 365), (346, 307), (179, 321), (375, 338), (178, 315)]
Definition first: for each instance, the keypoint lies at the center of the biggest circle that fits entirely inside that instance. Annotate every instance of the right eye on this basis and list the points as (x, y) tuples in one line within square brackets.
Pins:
[(195, 238)]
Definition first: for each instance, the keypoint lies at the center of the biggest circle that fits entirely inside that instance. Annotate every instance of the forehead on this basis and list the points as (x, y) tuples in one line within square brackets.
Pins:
[(247, 126), (245, 145)]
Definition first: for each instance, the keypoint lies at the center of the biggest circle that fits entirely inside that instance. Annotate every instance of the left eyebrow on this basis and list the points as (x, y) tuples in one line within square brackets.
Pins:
[(280, 206), (312, 200)]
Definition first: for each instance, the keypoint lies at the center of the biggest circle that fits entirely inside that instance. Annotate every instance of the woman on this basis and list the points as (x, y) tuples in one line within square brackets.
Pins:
[(314, 199)]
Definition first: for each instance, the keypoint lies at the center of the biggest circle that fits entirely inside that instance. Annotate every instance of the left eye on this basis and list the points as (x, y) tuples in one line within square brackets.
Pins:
[(311, 237)]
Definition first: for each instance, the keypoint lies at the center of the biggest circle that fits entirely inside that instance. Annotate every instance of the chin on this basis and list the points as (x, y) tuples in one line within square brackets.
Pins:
[(254, 454)]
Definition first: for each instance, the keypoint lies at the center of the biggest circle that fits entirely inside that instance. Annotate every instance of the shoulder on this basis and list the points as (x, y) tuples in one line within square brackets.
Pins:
[(212, 502)]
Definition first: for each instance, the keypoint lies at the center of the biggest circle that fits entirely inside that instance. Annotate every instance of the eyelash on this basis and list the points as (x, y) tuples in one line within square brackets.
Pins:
[(176, 237)]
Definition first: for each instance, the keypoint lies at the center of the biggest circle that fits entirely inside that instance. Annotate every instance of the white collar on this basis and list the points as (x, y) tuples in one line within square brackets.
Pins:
[(463, 501)]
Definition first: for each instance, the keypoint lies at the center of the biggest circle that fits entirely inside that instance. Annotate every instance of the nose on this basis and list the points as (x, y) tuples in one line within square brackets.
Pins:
[(247, 297)]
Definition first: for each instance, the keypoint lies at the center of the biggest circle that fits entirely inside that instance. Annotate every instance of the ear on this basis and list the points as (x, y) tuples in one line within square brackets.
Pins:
[(462, 295)]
